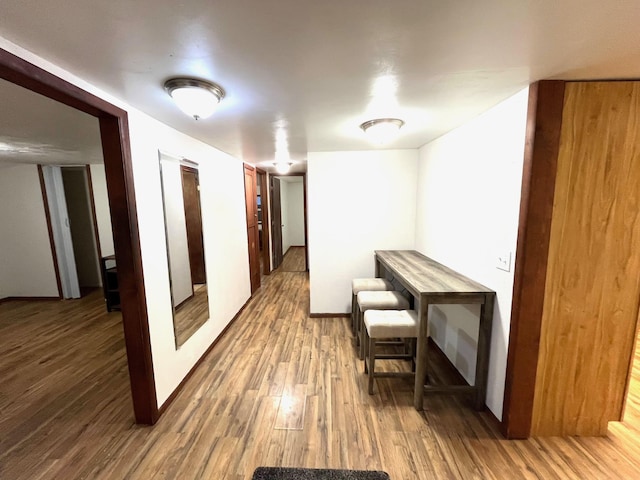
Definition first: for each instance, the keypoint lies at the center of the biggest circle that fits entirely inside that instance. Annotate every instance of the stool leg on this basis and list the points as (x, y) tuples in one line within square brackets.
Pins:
[(366, 350), (362, 330), (372, 360), (353, 313)]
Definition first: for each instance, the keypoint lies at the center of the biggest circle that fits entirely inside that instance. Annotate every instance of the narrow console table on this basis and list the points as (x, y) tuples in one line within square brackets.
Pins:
[(432, 283)]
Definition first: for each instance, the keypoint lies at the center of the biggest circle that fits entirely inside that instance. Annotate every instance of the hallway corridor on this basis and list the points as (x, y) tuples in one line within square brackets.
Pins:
[(279, 388)]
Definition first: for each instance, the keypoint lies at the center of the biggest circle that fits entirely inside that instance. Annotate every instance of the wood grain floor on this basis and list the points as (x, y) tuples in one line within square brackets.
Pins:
[(279, 388), (293, 260), (190, 316)]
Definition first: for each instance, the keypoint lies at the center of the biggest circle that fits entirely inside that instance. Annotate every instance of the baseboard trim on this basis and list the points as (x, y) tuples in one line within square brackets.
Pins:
[(29, 299), (329, 315), (178, 389)]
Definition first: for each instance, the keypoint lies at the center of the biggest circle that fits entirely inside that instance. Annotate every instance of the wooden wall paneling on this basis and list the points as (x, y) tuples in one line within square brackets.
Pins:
[(593, 282), (114, 130), (544, 120)]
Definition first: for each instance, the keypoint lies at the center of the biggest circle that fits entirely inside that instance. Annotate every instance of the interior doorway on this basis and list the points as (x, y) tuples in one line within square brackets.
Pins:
[(289, 222), (71, 220), (116, 153), (263, 221)]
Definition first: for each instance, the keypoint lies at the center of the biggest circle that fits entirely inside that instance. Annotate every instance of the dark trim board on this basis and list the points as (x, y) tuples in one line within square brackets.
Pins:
[(114, 133), (30, 299), (47, 215), (329, 315), (542, 144), (202, 358)]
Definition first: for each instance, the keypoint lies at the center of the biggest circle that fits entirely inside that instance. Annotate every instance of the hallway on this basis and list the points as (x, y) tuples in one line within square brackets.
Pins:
[(279, 388)]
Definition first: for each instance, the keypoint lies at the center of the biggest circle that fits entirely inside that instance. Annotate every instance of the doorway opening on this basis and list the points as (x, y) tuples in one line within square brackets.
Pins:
[(72, 221), (116, 153), (289, 222)]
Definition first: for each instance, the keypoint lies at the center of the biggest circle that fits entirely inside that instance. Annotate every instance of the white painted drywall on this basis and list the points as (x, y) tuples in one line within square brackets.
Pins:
[(224, 229), (176, 228), (295, 213), (358, 202), (284, 214), (26, 260), (468, 204), (101, 201)]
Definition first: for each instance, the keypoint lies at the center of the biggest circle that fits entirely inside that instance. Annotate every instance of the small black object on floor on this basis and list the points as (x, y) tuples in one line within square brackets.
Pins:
[(281, 473)]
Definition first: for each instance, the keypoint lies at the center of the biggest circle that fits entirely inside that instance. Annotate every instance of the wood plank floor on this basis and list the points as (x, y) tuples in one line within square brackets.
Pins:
[(293, 260), (279, 388)]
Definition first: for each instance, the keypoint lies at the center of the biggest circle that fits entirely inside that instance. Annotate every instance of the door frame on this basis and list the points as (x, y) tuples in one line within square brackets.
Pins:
[(246, 167), (116, 149), (265, 201), (304, 207)]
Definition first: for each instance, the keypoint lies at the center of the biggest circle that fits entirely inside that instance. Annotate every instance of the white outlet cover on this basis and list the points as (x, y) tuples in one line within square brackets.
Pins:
[(503, 261)]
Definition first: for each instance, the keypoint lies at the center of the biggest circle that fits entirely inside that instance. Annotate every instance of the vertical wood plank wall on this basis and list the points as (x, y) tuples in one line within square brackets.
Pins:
[(593, 277)]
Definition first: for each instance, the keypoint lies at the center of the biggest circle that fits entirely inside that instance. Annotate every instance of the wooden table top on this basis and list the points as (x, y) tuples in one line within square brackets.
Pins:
[(426, 276)]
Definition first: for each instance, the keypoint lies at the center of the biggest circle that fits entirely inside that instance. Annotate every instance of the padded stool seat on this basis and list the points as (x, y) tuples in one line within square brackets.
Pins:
[(376, 301), (387, 324), (369, 285)]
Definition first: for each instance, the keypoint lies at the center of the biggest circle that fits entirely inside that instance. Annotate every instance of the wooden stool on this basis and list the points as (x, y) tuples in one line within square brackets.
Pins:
[(376, 301), (382, 324), (366, 285)]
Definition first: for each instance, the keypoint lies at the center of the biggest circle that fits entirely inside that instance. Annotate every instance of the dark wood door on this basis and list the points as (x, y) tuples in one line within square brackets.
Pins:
[(251, 201), (276, 222), (193, 219)]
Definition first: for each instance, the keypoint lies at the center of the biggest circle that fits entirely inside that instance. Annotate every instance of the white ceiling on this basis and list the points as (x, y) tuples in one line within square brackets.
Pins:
[(36, 129), (318, 69)]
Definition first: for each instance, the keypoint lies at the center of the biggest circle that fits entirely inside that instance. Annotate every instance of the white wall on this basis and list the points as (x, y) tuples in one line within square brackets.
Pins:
[(101, 201), (358, 202), (468, 203), (222, 190), (295, 213), (26, 260), (176, 230), (284, 215)]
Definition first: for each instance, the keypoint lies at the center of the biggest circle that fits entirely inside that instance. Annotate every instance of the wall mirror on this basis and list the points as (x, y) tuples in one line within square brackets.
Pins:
[(185, 245)]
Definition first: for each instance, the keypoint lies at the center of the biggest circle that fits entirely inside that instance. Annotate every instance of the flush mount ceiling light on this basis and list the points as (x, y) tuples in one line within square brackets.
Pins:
[(282, 167), (382, 130), (196, 98)]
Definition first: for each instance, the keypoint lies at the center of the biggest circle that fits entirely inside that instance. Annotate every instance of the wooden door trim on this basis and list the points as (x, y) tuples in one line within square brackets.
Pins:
[(255, 286), (114, 133), (265, 200), (304, 207), (52, 243), (542, 144), (94, 216)]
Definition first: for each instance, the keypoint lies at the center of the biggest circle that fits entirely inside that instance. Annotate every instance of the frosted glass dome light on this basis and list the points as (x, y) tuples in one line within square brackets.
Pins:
[(196, 98), (382, 130)]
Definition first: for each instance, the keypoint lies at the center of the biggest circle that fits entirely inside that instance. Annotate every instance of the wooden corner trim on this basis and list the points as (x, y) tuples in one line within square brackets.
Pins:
[(542, 144)]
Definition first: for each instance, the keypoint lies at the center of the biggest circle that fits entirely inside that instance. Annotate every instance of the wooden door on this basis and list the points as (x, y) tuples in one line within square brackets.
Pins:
[(193, 220), (263, 222), (276, 222), (251, 201)]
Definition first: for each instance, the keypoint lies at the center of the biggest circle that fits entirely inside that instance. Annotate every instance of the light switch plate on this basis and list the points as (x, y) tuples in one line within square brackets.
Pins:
[(503, 261)]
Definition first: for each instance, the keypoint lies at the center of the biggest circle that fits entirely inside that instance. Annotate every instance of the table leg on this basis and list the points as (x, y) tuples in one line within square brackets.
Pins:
[(484, 345), (421, 353)]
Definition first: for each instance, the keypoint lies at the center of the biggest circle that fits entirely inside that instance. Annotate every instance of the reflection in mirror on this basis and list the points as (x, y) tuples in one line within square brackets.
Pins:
[(185, 246)]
